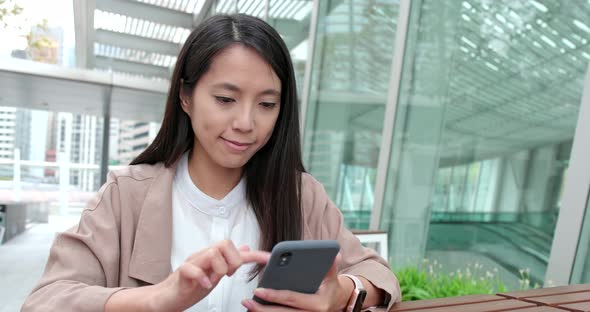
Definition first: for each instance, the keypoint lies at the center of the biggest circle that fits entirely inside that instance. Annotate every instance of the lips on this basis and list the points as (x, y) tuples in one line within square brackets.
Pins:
[(236, 145)]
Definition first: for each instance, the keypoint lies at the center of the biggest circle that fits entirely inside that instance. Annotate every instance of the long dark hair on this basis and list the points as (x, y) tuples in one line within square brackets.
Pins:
[(273, 174)]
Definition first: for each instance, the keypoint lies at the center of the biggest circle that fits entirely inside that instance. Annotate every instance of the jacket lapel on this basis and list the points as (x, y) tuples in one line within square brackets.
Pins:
[(150, 258)]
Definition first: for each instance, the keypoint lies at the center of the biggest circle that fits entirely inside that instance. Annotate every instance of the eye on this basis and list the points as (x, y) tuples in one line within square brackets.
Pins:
[(224, 100), (268, 104)]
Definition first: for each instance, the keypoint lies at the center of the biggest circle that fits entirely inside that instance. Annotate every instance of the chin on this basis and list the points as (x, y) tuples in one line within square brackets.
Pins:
[(233, 164)]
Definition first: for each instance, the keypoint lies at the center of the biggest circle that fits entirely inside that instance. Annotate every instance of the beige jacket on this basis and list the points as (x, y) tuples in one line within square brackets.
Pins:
[(124, 240)]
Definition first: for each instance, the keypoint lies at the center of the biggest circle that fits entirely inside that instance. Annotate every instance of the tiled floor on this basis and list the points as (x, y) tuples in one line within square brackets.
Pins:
[(22, 260)]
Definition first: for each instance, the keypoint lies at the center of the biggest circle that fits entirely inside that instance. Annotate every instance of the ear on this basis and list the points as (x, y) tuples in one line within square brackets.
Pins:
[(185, 100)]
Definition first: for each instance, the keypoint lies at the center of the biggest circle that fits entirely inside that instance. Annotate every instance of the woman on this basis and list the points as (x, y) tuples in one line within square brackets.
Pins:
[(225, 170)]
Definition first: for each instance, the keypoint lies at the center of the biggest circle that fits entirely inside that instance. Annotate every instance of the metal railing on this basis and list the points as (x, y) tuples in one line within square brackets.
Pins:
[(67, 184)]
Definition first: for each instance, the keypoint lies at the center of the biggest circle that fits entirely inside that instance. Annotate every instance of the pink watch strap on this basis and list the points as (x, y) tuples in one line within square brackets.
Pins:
[(358, 288)]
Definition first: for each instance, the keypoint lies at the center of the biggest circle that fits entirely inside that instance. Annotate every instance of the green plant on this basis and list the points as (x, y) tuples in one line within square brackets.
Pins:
[(525, 279), (427, 282)]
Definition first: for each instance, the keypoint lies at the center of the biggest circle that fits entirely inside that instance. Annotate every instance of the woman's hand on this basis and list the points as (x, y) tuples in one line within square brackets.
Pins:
[(332, 295), (200, 273), (192, 281)]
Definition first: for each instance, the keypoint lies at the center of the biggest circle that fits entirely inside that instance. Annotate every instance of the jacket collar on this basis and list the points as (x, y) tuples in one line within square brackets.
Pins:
[(150, 257), (221, 208)]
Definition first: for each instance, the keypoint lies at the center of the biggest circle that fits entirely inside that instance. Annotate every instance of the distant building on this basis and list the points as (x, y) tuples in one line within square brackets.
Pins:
[(7, 132), (15, 133), (79, 141), (134, 138)]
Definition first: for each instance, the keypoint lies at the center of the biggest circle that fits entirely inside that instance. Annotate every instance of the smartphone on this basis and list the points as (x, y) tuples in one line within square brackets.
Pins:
[(298, 266)]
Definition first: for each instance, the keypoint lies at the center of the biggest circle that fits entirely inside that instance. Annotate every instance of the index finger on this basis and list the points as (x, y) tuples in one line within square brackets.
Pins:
[(260, 257)]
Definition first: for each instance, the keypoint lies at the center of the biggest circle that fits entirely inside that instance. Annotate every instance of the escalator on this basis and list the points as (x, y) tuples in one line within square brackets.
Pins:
[(513, 245)]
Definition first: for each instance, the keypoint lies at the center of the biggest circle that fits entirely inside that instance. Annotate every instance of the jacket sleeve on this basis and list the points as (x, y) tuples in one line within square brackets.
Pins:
[(83, 265), (355, 259)]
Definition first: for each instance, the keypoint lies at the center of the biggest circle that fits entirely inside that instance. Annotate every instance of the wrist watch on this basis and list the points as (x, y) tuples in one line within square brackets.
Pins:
[(357, 298)]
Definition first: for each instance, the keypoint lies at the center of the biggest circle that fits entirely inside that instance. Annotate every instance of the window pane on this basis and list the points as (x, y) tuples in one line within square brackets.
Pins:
[(291, 18), (350, 78), (487, 111)]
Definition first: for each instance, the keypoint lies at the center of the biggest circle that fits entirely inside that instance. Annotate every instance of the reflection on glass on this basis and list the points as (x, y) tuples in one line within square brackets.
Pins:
[(291, 18), (350, 77), (488, 105)]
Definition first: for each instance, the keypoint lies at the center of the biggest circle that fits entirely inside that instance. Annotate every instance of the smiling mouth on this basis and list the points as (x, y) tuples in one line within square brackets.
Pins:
[(236, 142), (236, 146)]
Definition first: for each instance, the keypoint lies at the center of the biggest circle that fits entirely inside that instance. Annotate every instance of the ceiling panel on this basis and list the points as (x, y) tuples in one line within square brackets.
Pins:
[(128, 33), (516, 75)]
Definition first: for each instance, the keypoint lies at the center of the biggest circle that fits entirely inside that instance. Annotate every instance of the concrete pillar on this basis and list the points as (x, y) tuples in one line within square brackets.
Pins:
[(420, 121)]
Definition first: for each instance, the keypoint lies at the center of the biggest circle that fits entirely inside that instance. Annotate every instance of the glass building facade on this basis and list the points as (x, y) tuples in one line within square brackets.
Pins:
[(456, 127), (347, 96), (486, 114), (483, 101)]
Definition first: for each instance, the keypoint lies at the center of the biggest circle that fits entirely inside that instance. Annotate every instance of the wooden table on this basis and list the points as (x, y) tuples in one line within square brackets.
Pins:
[(574, 298)]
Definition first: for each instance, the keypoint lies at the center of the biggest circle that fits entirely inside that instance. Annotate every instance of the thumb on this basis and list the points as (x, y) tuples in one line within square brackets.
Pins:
[(334, 268)]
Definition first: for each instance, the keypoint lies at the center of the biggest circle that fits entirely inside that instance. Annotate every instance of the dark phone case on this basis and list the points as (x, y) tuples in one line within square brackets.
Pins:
[(309, 263)]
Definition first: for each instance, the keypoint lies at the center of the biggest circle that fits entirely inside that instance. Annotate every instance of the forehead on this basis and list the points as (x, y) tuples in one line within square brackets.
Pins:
[(244, 67)]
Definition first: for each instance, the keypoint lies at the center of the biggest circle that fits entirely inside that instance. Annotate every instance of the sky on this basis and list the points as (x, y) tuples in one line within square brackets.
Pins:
[(59, 13)]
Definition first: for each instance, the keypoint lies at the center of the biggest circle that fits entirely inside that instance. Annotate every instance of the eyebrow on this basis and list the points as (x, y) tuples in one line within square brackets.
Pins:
[(234, 88)]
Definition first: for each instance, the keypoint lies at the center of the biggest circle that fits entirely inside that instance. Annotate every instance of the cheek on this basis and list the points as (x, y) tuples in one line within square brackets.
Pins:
[(268, 128), (204, 120), (206, 130)]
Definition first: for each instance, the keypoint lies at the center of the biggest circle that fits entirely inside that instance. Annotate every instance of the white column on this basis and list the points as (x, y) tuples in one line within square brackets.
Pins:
[(266, 9), (16, 182), (313, 27), (64, 181), (92, 156), (574, 200), (390, 111)]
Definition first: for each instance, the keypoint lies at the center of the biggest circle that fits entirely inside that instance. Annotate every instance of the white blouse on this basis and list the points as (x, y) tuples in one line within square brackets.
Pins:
[(199, 221)]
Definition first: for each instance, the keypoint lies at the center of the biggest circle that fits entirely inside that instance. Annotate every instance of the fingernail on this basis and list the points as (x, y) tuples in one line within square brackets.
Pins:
[(260, 292), (247, 303)]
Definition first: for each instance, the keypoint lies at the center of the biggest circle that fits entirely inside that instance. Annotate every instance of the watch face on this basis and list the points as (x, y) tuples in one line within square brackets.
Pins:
[(360, 299)]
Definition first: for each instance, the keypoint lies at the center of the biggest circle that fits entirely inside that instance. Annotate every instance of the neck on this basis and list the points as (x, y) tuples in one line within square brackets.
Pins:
[(212, 179)]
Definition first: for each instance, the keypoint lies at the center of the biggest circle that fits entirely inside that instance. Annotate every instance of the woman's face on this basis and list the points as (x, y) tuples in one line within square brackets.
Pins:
[(234, 107)]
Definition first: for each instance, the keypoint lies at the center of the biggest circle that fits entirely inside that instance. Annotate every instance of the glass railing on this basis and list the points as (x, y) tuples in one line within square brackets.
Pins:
[(543, 221), (515, 242)]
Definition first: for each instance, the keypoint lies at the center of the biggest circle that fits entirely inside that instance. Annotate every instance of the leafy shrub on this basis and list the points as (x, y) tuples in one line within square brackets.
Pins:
[(428, 282)]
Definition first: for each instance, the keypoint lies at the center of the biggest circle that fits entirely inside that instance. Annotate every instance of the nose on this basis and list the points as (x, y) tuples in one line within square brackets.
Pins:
[(244, 120)]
